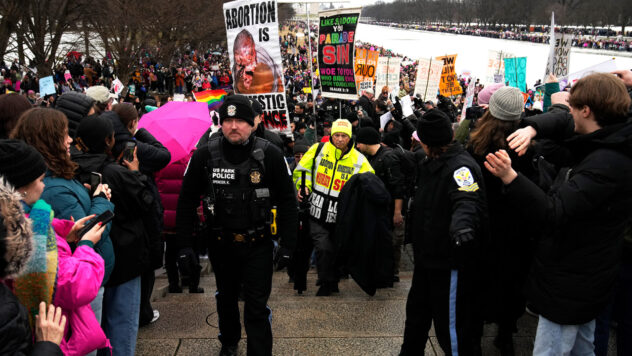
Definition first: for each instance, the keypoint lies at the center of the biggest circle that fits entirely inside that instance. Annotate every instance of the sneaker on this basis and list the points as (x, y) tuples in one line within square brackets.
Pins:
[(156, 316), (228, 350), (324, 290)]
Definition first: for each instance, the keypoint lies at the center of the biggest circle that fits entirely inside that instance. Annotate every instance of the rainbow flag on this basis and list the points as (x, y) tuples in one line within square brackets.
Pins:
[(214, 98)]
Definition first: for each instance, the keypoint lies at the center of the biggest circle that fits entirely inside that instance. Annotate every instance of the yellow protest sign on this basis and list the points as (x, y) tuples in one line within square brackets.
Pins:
[(449, 84)]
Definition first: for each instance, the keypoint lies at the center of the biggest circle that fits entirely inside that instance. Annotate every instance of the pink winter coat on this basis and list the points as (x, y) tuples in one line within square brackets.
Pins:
[(169, 182), (79, 276)]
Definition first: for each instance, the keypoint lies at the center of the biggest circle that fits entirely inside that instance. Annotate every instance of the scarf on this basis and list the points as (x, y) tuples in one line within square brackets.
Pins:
[(37, 283)]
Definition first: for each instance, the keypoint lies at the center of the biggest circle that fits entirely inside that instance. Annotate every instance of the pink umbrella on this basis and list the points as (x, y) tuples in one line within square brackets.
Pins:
[(178, 126)]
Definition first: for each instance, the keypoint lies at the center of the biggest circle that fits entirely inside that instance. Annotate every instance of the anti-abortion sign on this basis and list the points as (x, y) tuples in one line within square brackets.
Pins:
[(449, 84), (388, 70), (252, 34), (428, 78), (365, 66), (516, 73), (496, 66), (560, 58), (46, 86), (336, 36)]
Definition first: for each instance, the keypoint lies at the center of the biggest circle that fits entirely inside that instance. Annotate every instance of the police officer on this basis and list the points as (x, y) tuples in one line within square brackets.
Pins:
[(449, 222), (241, 178)]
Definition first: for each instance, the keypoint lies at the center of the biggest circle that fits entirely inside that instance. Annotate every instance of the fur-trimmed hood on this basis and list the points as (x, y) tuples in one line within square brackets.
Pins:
[(16, 235)]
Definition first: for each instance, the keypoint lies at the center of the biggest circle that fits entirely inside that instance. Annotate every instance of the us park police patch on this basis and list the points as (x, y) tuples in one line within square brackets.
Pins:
[(464, 179), (255, 177)]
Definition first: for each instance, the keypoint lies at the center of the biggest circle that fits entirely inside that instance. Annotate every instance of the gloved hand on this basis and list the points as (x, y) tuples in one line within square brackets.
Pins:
[(462, 237)]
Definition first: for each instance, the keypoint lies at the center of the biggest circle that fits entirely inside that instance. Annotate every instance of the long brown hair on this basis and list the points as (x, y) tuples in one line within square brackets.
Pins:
[(491, 134), (46, 130)]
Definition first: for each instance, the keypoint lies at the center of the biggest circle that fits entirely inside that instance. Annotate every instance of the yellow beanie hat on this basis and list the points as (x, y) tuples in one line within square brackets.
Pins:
[(341, 125)]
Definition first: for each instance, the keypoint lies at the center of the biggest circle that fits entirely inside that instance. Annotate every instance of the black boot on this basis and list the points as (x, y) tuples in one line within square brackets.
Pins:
[(228, 350), (324, 290)]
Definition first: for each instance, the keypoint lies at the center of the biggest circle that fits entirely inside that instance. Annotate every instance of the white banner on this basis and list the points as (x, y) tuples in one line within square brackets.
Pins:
[(252, 34), (387, 74), (428, 78)]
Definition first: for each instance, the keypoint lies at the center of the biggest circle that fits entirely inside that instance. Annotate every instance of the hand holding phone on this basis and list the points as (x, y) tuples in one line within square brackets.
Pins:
[(93, 230), (95, 180)]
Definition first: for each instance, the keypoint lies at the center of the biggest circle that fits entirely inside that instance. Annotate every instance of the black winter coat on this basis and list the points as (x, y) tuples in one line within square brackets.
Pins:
[(133, 205), (15, 332), (450, 200), (583, 218), (76, 107), (386, 164), (368, 106), (363, 232)]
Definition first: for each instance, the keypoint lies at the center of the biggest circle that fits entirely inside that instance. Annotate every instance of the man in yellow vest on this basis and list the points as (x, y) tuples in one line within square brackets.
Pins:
[(328, 166)]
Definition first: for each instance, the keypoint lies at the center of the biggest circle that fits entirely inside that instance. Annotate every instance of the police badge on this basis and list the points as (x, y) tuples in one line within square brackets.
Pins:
[(231, 110), (255, 177)]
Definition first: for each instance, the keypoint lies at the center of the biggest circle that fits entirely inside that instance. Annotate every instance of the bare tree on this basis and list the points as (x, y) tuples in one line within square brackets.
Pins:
[(9, 18)]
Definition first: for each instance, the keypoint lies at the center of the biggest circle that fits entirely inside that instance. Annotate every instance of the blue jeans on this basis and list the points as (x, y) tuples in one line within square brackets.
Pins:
[(97, 308), (553, 339), (121, 308)]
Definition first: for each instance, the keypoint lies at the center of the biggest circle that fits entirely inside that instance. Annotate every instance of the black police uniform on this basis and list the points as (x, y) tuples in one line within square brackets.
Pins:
[(247, 180), (449, 205)]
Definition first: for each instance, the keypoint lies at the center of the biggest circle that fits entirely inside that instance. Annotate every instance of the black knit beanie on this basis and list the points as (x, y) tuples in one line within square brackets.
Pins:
[(368, 136), (238, 107), (93, 131), (434, 128), (20, 163)]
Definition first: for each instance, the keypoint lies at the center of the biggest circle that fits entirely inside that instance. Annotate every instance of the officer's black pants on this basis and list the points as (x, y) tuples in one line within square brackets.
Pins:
[(449, 299), (247, 266)]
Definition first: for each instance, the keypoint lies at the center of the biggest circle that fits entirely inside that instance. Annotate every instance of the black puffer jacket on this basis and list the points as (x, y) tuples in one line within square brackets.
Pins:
[(75, 106), (583, 217)]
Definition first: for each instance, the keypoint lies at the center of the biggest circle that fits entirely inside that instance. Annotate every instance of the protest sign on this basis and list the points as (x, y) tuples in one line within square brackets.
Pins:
[(46, 86), (365, 66), (469, 97), (388, 70), (178, 97), (407, 106), (385, 119), (449, 84), (117, 86), (67, 75), (516, 73), (252, 35), (428, 78), (604, 67), (336, 37), (559, 61), (496, 66)]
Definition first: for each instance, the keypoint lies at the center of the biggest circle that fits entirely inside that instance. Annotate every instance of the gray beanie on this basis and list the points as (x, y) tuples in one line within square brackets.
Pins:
[(506, 104)]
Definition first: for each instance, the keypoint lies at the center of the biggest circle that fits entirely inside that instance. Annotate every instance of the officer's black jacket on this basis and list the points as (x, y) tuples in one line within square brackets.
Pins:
[(276, 177), (443, 209)]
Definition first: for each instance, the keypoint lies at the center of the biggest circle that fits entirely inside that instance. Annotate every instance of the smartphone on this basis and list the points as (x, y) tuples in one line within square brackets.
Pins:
[(95, 180), (128, 152), (105, 218)]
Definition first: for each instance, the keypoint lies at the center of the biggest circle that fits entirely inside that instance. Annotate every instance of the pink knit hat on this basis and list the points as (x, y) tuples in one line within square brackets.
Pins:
[(486, 93)]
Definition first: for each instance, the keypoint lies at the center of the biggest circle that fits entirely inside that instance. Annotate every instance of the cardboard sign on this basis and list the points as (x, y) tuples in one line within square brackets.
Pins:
[(516, 73), (560, 59), (336, 43), (449, 84), (365, 68), (47, 86), (388, 71), (252, 34), (496, 66), (428, 78)]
